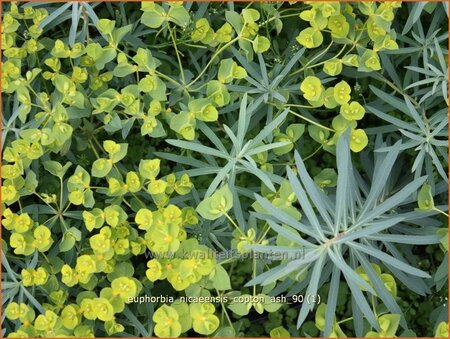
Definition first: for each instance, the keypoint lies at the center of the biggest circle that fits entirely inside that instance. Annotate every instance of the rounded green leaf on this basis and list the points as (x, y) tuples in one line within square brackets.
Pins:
[(261, 44), (217, 205), (101, 167)]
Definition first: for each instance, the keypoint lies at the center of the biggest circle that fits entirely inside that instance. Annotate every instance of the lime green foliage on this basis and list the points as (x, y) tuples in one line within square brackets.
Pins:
[(388, 325), (149, 147), (217, 204), (442, 330)]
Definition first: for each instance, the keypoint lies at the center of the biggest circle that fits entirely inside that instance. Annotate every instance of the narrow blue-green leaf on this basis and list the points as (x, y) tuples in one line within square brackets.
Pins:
[(135, 322), (197, 147), (181, 159), (347, 271), (332, 301), (74, 26), (394, 200), (211, 136), (201, 171), (229, 132), (319, 198), (285, 218), (420, 70), (312, 289), (91, 13), (289, 234), (369, 229), (267, 147), (437, 163), (262, 67), (380, 288), (54, 14), (11, 273), (33, 300), (345, 170), (259, 173), (304, 202), (274, 250), (244, 119), (414, 15), (390, 99), (219, 178), (414, 283), (362, 304), (388, 259), (407, 239), (380, 177), (271, 275), (412, 136), (414, 114), (248, 67), (439, 127), (289, 65), (268, 129), (421, 82)]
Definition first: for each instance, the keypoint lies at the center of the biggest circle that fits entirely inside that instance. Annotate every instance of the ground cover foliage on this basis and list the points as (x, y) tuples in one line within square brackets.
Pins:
[(168, 169)]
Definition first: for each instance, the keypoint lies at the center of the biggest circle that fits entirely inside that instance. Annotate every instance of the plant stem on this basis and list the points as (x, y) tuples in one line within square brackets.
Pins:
[(313, 153), (220, 50), (224, 309), (254, 272), (93, 149), (266, 229), (279, 17), (45, 202), (312, 60), (344, 320), (336, 56), (300, 106), (60, 194), (440, 211), (234, 224), (311, 121), (177, 53), (398, 90), (373, 306)]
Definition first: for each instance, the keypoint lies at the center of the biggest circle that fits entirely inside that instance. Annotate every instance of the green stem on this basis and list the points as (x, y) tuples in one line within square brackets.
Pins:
[(45, 202), (220, 50), (311, 121), (127, 203), (63, 223), (440, 211), (254, 273), (93, 149), (279, 17), (137, 198), (336, 56), (46, 221), (224, 310), (398, 90), (234, 224), (266, 230), (60, 194), (373, 306), (162, 75), (177, 53), (313, 153), (300, 106), (67, 207), (345, 320), (313, 59)]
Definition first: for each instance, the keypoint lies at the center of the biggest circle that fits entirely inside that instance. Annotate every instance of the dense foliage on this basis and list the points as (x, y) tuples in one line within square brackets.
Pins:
[(224, 169)]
